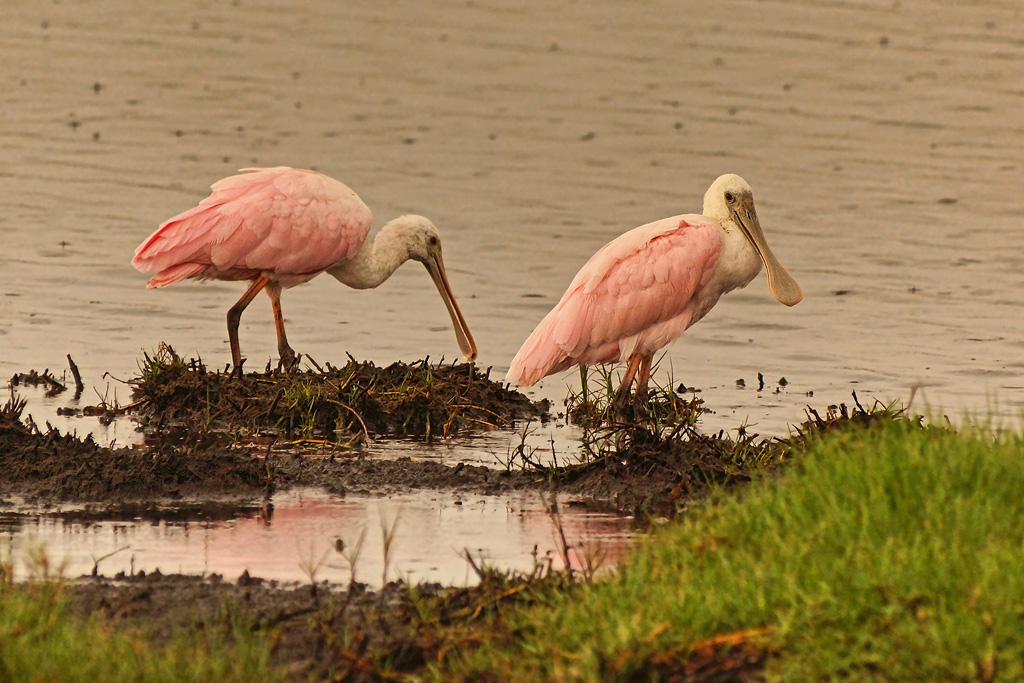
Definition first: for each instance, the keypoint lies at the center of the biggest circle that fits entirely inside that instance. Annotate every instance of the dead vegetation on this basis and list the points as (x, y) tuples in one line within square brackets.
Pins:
[(339, 405), (51, 385)]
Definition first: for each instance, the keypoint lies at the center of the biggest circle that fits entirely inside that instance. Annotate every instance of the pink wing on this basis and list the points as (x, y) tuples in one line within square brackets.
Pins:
[(289, 222), (634, 295)]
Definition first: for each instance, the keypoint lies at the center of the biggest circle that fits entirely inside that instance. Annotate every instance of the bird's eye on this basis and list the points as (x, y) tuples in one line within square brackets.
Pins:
[(433, 241), (729, 197)]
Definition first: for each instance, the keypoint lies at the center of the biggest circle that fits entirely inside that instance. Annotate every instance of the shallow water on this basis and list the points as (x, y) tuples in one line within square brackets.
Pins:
[(296, 538), (882, 140)]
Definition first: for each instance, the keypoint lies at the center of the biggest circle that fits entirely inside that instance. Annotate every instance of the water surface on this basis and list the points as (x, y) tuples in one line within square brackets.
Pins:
[(310, 536), (882, 140)]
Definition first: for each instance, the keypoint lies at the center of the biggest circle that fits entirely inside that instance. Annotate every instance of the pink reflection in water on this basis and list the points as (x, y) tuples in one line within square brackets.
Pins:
[(299, 536)]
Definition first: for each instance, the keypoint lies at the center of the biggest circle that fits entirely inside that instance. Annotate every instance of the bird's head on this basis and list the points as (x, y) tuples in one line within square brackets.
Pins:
[(419, 236), (730, 201)]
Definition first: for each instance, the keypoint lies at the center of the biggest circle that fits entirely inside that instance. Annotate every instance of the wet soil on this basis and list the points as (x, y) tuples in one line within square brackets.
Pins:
[(317, 632), (214, 436)]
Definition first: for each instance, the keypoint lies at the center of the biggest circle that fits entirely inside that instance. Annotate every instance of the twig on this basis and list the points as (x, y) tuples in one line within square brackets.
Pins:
[(273, 404), (96, 560), (366, 432), (79, 387)]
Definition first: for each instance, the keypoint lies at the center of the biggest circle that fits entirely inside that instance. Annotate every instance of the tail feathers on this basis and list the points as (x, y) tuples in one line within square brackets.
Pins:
[(176, 273), (538, 357)]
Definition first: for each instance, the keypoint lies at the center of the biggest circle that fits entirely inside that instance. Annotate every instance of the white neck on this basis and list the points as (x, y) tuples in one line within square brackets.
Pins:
[(374, 263)]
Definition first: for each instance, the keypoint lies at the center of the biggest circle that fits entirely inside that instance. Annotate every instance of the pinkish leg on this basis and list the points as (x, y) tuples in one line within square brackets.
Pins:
[(640, 397), (622, 394), (235, 315), (288, 357)]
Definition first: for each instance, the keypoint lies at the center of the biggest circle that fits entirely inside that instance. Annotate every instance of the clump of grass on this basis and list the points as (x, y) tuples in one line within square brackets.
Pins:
[(658, 441), (332, 403), (42, 640), (886, 551), (594, 406), (838, 417)]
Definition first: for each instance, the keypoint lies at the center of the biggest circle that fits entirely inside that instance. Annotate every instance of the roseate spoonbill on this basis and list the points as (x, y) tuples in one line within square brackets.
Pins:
[(642, 290), (279, 227)]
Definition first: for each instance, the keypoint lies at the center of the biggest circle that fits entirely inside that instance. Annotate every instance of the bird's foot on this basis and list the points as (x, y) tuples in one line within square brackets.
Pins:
[(237, 370), (289, 359), (641, 402), (618, 410)]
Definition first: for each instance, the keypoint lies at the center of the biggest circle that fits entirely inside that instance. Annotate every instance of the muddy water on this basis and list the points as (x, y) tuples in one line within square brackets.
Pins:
[(883, 141)]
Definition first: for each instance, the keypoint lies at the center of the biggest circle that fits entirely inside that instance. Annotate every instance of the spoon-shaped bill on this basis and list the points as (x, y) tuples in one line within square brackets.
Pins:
[(780, 282)]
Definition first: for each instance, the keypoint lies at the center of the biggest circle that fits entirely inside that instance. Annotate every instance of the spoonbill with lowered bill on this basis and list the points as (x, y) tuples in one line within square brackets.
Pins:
[(280, 227)]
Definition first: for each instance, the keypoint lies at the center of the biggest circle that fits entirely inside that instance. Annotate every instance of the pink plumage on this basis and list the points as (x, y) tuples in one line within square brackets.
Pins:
[(634, 296), (642, 290), (288, 222)]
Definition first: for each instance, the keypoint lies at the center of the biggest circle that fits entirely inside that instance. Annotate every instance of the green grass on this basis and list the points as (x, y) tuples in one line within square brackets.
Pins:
[(886, 553), (40, 640)]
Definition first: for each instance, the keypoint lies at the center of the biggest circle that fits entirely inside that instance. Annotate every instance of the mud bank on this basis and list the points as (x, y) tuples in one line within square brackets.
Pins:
[(214, 436)]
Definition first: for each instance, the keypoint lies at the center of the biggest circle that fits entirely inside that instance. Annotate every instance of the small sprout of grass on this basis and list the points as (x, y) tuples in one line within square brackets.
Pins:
[(311, 566), (350, 553), (300, 402), (387, 531)]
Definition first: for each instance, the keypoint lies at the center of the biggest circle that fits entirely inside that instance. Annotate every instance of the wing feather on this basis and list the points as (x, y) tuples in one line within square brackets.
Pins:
[(285, 221)]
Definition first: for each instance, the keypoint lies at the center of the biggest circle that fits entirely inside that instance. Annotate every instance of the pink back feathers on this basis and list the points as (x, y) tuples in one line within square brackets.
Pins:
[(290, 223), (637, 294)]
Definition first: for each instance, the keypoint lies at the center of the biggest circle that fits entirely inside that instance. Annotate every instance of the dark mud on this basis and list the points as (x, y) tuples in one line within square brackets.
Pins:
[(178, 397), (317, 632), (212, 439), (47, 466), (54, 467)]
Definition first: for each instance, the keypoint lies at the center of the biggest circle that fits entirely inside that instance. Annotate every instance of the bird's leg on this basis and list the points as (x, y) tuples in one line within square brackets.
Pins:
[(640, 396), (621, 398), (235, 315), (288, 357)]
